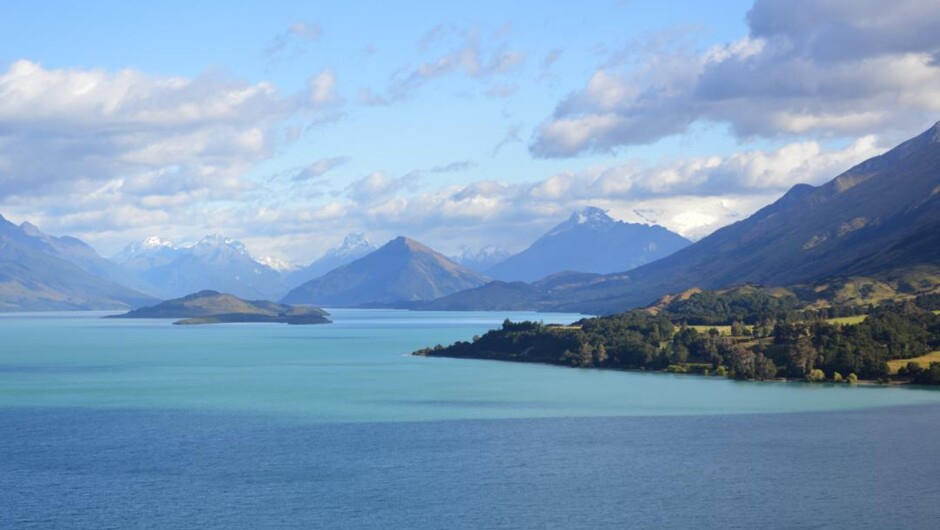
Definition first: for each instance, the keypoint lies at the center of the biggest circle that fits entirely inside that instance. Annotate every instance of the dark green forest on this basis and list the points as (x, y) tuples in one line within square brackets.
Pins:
[(765, 337)]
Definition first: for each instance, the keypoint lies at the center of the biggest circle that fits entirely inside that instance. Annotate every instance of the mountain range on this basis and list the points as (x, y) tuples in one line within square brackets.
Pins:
[(589, 241), (403, 270), (879, 219), (482, 258), (214, 262), (874, 227), (39, 272)]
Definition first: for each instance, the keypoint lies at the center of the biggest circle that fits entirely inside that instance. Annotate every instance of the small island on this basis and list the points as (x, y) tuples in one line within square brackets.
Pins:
[(212, 307)]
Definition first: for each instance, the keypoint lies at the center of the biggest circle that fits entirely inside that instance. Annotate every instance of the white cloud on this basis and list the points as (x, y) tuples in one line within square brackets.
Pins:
[(62, 128), (691, 196), (322, 88), (829, 67), (376, 187)]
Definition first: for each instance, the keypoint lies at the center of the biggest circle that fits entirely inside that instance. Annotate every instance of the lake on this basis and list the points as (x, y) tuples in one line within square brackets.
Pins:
[(141, 424)]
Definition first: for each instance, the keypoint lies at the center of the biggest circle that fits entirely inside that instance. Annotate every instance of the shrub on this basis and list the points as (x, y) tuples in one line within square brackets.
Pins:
[(852, 379), (816, 375)]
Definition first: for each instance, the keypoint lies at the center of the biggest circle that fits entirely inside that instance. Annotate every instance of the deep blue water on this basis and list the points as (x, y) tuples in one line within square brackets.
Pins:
[(139, 424), (68, 468)]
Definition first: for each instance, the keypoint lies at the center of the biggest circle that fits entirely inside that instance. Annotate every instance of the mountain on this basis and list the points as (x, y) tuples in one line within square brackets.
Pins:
[(876, 224), (80, 254), (39, 272), (212, 307), (589, 241), (481, 259), (214, 262), (354, 247), (402, 270), (281, 266)]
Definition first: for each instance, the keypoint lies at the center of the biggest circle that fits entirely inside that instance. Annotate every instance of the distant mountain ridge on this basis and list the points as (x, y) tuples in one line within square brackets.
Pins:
[(214, 262), (400, 271), (589, 241), (482, 258), (39, 272), (354, 246)]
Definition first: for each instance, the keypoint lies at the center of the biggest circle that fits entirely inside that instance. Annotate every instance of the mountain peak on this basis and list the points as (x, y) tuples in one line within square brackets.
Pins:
[(410, 244), (145, 246), (30, 229), (157, 242), (589, 241), (588, 217), (591, 215), (220, 241), (403, 270), (277, 264), (355, 243)]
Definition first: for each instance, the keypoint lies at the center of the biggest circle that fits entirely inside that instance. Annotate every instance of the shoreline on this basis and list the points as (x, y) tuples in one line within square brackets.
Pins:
[(859, 383)]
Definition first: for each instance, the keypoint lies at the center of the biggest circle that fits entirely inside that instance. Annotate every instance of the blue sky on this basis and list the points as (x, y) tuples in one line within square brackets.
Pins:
[(289, 124)]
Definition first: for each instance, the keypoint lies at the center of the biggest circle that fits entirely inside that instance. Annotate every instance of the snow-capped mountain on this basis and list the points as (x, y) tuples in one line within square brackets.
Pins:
[(482, 258), (214, 262), (354, 246), (589, 241), (281, 266)]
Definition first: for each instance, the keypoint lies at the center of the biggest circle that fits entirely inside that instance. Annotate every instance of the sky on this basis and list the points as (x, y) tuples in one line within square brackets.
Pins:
[(287, 125)]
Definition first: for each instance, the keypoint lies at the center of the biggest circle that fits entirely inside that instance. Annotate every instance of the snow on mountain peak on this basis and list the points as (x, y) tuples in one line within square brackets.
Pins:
[(591, 215), (277, 264), (156, 242), (219, 241), (354, 243)]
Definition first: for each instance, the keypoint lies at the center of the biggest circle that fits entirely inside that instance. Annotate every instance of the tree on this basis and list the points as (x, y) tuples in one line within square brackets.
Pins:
[(600, 354), (764, 367), (816, 375), (801, 357)]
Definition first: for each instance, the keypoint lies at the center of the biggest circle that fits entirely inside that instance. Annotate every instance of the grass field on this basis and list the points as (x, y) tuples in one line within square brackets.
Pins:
[(724, 330), (848, 321), (923, 360)]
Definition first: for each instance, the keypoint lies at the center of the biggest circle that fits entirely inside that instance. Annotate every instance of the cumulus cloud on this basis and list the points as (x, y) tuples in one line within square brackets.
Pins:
[(98, 153), (61, 128), (831, 67), (376, 187), (693, 196)]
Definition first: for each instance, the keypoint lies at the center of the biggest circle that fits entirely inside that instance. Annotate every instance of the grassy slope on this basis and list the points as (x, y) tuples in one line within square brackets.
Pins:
[(924, 361)]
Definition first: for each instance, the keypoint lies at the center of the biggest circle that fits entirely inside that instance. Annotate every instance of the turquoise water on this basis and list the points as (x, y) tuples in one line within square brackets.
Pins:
[(358, 369), (141, 424)]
